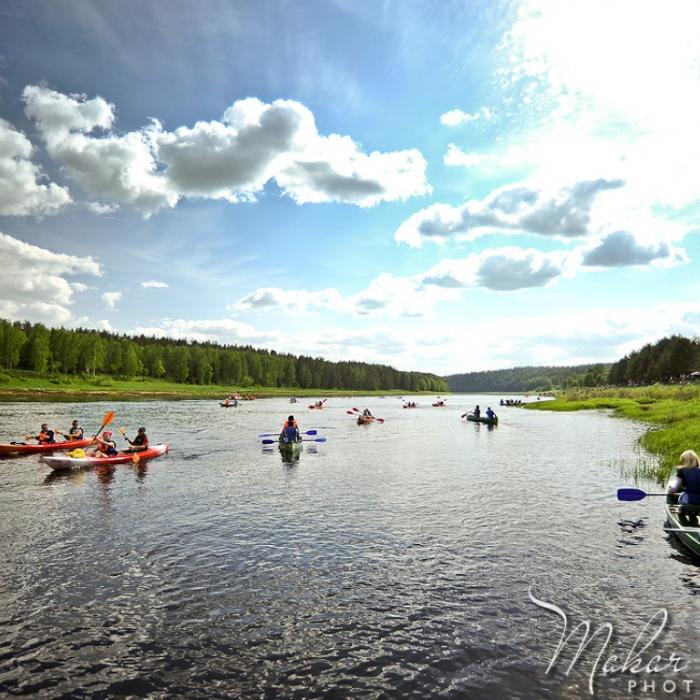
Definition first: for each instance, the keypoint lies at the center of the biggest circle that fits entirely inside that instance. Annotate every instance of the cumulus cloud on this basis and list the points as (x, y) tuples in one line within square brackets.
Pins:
[(154, 284), (23, 191), (232, 159), (33, 284), (457, 117), (226, 331), (293, 300), (111, 298), (621, 248), (521, 207), (499, 269)]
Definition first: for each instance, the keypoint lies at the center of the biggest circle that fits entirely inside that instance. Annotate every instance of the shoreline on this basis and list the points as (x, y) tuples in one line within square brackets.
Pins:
[(671, 412)]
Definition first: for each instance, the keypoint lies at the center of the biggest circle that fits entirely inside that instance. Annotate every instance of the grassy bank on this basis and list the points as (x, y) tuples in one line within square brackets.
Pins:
[(672, 411), (28, 386)]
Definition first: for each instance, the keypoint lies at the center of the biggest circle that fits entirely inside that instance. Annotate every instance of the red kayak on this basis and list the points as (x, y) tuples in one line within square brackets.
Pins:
[(23, 449), (60, 463)]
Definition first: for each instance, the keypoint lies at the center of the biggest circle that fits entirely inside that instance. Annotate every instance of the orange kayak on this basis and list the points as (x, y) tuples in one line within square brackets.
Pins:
[(21, 448)]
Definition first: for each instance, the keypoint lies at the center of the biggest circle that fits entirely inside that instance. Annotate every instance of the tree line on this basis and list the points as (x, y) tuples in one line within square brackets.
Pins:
[(86, 352), (524, 379), (670, 359)]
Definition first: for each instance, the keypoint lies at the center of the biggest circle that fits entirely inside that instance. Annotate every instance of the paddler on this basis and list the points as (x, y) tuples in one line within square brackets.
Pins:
[(366, 413), (139, 443), (106, 447), (687, 483), (46, 436), (75, 432), (290, 430)]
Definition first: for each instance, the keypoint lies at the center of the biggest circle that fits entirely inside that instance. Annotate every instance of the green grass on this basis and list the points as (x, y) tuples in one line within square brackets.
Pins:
[(29, 386), (672, 411)]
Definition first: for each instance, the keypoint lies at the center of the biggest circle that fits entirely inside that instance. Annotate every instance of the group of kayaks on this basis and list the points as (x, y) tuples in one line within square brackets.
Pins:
[(74, 456)]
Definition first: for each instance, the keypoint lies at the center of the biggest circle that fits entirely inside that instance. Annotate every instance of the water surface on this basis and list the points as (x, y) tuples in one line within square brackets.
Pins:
[(392, 561)]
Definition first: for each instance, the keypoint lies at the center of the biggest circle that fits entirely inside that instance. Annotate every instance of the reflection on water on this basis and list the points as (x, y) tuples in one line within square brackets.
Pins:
[(388, 562)]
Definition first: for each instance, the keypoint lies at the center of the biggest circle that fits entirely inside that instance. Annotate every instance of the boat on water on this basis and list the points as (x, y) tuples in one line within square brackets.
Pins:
[(440, 404), (683, 522), (228, 404), (22, 448), (67, 462), (364, 420), (482, 419)]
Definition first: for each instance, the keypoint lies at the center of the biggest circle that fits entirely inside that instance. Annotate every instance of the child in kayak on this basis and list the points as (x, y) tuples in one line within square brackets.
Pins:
[(46, 436), (139, 443)]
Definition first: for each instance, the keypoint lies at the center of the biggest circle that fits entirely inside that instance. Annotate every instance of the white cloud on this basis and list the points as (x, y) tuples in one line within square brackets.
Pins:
[(294, 300), (523, 207), (33, 285), (455, 156), (225, 331), (499, 269), (102, 209), (457, 117), (621, 248), (232, 159), (23, 191), (154, 284), (111, 299)]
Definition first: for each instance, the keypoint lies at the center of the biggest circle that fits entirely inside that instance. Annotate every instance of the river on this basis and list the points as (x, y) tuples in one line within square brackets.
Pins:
[(393, 560)]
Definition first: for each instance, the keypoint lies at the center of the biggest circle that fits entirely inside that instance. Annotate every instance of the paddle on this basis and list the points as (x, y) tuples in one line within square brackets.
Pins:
[(274, 442), (634, 494), (381, 420), (308, 432)]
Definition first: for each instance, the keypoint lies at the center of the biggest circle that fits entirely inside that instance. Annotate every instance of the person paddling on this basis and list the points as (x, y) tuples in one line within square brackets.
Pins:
[(106, 447), (139, 443), (75, 432), (490, 414), (290, 431), (687, 484), (46, 436)]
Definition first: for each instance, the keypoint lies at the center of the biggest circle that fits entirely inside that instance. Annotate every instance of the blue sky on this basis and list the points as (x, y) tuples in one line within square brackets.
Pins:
[(442, 186)]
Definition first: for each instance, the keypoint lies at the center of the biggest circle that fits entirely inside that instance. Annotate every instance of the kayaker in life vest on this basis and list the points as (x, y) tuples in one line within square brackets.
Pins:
[(46, 436), (105, 445), (139, 443), (74, 433), (687, 480), (290, 431)]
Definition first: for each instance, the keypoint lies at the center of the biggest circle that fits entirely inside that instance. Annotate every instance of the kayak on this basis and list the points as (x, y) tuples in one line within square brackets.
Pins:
[(441, 404), (311, 405), (60, 463), (688, 534), (231, 404), (416, 406), (291, 449), (483, 419), (22, 449), (362, 420)]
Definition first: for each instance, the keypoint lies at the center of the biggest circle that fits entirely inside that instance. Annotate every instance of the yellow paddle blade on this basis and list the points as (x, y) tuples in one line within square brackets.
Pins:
[(135, 458), (77, 453), (122, 430)]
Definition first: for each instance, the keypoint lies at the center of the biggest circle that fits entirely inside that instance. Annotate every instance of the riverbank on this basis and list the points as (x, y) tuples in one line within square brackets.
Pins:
[(27, 386), (671, 411)]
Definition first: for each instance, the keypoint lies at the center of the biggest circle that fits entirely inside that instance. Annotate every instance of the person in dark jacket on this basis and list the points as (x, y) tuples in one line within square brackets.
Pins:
[(687, 484), (139, 443)]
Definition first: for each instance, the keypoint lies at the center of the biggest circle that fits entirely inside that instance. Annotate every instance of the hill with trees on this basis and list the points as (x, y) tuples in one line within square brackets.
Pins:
[(85, 352), (524, 379)]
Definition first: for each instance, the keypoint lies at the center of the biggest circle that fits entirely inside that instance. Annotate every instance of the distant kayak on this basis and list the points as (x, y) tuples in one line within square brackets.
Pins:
[(362, 420), (482, 419), (440, 404), (24, 449), (230, 404), (66, 462)]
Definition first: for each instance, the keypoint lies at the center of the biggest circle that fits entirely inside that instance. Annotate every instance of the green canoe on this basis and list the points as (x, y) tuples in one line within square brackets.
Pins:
[(682, 524), (290, 449)]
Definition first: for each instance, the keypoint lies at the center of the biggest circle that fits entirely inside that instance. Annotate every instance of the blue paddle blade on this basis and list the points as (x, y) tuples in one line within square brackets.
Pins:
[(630, 495), (321, 439)]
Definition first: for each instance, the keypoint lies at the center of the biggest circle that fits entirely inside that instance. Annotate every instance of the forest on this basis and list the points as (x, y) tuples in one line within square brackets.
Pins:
[(669, 360), (85, 352)]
